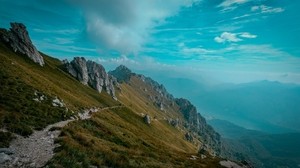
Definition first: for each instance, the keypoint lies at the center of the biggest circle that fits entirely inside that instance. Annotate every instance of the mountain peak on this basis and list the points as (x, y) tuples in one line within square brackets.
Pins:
[(18, 39), (122, 73)]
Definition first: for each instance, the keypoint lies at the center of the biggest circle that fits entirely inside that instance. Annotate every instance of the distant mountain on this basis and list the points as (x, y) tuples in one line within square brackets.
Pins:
[(261, 149), (263, 105), (232, 131)]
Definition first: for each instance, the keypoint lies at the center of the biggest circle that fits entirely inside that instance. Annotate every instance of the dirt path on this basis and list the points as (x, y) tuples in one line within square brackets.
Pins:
[(37, 149)]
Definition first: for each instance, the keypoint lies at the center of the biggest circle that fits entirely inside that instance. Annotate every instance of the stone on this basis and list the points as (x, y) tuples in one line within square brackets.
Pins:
[(78, 69), (57, 103), (147, 119), (189, 137), (92, 74), (4, 158), (18, 39), (6, 151)]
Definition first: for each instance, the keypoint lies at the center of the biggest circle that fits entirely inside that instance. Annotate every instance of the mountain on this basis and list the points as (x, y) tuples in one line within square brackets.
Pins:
[(263, 105), (261, 149), (231, 131), (75, 114), (267, 106)]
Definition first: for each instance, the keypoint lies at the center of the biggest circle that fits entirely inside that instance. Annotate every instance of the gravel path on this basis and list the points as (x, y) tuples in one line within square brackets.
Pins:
[(37, 149)]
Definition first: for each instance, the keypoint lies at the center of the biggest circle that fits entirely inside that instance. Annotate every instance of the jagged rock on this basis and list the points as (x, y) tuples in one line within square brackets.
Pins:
[(78, 69), (189, 137), (161, 106), (18, 39), (122, 73), (147, 119), (92, 74), (197, 123), (174, 123)]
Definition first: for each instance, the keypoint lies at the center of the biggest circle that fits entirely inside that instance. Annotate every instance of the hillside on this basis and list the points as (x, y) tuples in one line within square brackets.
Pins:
[(145, 127), (262, 149)]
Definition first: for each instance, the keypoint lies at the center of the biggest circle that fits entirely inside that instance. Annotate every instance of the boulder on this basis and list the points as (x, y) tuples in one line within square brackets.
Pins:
[(147, 119)]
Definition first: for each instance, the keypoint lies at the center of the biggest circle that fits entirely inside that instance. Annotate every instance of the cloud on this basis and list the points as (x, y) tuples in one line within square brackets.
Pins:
[(247, 35), (266, 9), (61, 31), (124, 25), (233, 37), (227, 37), (228, 3)]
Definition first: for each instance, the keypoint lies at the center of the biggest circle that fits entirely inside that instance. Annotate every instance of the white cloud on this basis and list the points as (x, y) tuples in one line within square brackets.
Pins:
[(228, 3), (124, 25), (247, 35), (266, 9), (233, 37), (227, 37), (60, 31)]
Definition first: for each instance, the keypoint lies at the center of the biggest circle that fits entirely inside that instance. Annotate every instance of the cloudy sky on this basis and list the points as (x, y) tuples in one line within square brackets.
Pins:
[(219, 40)]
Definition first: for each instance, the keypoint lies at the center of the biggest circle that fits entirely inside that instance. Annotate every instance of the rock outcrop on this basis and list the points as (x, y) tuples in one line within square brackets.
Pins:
[(18, 39), (92, 74), (196, 123)]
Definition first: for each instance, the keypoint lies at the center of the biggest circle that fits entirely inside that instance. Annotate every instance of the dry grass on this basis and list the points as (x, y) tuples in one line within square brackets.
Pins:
[(120, 138)]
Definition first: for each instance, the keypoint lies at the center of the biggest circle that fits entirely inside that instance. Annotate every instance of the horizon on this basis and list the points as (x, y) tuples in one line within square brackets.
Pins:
[(221, 41)]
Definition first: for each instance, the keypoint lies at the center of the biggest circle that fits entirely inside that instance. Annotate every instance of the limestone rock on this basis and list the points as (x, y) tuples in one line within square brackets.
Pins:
[(18, 39), (147, 119), (78, 69), (92, 74)]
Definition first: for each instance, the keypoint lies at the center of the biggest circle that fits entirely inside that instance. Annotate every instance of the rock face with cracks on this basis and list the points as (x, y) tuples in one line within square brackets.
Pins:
[(18, 39), (92, 74)]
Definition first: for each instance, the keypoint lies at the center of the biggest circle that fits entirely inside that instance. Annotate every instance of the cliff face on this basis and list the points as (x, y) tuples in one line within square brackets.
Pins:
[(197, 124), (18, 39), (92, 74), (192, 121)]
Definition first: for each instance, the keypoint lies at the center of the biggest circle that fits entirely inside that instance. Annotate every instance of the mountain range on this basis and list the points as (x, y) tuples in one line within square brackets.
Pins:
[(75, 114), (265, 106), (263, 149)]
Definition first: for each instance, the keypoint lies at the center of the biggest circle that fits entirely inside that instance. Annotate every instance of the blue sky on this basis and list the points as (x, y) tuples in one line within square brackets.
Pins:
[(220, 40)]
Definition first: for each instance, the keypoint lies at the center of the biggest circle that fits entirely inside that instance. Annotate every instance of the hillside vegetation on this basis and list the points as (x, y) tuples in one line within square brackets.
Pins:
[(116, 137)]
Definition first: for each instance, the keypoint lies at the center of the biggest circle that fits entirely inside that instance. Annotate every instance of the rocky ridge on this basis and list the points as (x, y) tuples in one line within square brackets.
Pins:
[(193, 122), (92, 74), (18, 39)]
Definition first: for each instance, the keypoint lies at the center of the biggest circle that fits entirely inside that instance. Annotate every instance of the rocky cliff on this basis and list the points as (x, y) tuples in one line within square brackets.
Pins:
[(92, 74), (18, 39), (158, 95), (197, 123)]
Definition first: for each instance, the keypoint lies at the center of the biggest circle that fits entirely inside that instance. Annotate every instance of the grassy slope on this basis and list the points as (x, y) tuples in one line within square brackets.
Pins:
[(116, 137), (20, 78), (120, 138)]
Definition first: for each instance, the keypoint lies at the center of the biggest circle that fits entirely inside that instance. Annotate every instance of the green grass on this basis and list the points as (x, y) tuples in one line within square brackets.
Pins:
[(114, 138), (5, 138), (22, 80), (120, 138)]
